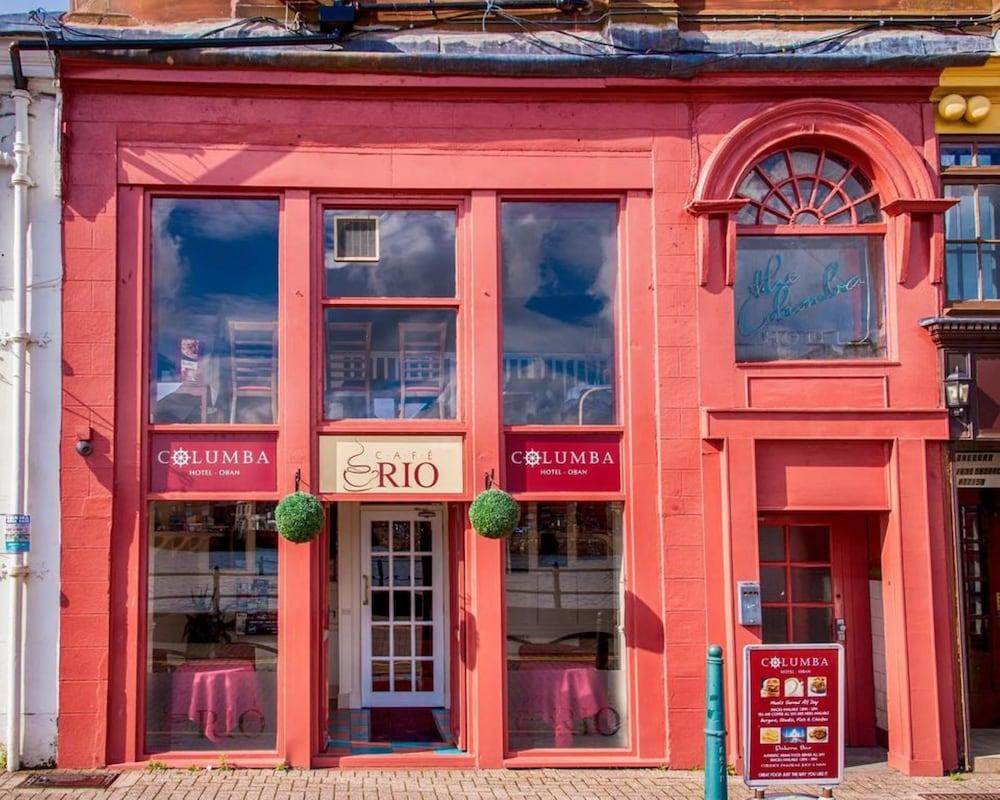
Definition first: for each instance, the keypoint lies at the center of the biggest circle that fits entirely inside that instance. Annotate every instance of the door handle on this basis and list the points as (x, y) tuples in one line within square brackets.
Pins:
[(367, 595), (841, 630)]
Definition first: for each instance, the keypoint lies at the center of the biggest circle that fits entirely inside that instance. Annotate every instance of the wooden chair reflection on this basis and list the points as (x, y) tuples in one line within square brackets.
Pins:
[(421, 364), (253, 356), (349, 363)]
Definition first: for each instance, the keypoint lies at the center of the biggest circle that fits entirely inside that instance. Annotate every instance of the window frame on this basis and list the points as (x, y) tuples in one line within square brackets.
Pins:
[(618, 347), (459, 303), (975, 176), (867, 229)]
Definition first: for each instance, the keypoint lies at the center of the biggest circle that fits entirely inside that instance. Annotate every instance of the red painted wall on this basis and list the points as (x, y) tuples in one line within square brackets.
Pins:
[(696, 449)]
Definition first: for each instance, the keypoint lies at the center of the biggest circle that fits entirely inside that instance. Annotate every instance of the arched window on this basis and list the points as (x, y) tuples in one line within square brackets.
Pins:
[(809, 276)]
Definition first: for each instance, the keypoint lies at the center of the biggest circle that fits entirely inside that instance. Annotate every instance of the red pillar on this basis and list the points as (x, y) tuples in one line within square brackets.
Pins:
[(484, 644), (298, 564)]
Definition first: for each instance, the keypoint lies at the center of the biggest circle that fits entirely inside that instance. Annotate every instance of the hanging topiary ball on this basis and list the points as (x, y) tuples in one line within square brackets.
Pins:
[(494, 514), (299, 517)]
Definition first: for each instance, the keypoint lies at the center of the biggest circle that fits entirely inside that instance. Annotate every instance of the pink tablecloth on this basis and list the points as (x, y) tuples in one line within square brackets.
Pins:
[(557, 695), (215, 693)]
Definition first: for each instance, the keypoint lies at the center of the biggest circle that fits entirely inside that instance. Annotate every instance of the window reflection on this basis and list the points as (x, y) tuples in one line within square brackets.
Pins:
[(397, 253), (560, 268), (566, 682), (214, 310), (213, 627), (390, 363), (809, 297)]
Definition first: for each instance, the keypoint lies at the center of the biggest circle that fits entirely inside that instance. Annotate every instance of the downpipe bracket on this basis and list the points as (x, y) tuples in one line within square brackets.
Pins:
[(25, 338), (15, 571)]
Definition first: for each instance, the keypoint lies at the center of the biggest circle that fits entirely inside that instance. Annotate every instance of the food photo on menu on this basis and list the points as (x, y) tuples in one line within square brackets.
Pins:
[(770, 687), (770, 735), (794, 687), (817, 686), (818, 734)]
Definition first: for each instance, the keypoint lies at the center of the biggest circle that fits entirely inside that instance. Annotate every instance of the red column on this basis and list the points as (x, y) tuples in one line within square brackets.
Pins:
[(918, 646), (298, 587), (484, 646)]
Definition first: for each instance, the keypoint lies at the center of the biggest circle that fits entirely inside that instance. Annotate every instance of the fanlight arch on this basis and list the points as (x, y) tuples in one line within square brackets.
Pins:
[(807, 186)]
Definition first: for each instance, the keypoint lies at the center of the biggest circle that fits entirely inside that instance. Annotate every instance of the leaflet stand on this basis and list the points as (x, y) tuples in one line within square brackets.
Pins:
[(825, 792)]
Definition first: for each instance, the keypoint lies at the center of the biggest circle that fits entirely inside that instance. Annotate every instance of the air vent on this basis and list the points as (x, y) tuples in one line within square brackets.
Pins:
[(68, 780), (355, 238)]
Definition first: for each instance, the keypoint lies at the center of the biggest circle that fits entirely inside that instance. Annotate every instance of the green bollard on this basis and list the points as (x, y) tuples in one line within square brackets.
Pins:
[(715, 728)]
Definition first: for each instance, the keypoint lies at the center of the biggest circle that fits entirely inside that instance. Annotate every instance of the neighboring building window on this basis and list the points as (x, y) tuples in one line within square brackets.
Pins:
[(214, 346), (566, 679), (560, 272), (809, 272), (212, 619), (972, 227), (398, 361)]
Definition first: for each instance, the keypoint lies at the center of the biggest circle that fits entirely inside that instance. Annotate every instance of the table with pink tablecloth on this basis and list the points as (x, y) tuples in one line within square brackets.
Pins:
[(216, 693), (558, 695)]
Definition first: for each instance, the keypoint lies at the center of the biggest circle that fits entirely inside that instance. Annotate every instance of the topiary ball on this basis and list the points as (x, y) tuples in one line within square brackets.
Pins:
[(299, 517), (494, 514)]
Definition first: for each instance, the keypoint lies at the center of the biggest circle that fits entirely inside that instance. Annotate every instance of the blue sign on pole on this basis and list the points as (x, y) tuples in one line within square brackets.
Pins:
[(17, 533)]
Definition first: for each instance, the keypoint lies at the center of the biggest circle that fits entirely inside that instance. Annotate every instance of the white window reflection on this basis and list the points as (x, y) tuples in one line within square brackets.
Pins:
[(214, 310), (390, 363), (390, 253), (560, 270)]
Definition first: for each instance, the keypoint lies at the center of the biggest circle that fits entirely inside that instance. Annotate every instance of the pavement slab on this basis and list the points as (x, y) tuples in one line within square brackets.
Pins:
[(870, 782)]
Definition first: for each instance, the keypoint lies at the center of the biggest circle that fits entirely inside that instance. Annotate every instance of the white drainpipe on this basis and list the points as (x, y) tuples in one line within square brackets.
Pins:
[(17, 340)]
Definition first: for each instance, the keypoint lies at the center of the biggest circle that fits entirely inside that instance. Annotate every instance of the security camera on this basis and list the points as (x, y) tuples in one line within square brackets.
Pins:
[(85, 447)]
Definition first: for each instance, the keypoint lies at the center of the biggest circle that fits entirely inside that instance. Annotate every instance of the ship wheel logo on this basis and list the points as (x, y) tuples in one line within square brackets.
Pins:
[(180, 458), (532, 458)]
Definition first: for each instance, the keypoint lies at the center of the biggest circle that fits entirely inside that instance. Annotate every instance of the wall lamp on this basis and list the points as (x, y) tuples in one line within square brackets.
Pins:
[(956, 392)]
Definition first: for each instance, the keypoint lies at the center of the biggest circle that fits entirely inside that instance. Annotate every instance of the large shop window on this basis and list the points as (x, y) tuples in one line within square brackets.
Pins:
[(214, 353), (566, 680), (809, 271), (560, 272), (395, 362), (211, 681), (972, 227)]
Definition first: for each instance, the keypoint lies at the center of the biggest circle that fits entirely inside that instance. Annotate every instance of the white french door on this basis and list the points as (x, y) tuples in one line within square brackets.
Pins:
[(402, 607)]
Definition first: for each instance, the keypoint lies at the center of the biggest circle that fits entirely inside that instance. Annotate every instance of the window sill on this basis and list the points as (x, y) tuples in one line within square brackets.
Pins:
[(799, 364), (960, 307)]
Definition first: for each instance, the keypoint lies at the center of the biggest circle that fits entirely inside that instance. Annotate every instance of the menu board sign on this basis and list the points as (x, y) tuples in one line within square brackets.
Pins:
[(793, 698)]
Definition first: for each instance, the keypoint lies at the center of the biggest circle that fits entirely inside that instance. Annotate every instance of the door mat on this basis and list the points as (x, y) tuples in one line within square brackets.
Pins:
[(68, 780), (403, 725), (961, 796)]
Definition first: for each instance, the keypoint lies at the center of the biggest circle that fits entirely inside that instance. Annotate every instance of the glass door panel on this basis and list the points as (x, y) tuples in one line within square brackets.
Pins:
[(402, 608)]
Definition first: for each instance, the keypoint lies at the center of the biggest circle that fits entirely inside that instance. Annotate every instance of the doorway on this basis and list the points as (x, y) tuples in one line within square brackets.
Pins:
[(979, 543), (387, 672), (816, 577)]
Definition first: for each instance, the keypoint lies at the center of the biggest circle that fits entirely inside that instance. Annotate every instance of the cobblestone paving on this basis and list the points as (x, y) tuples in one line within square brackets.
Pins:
[(863, 783)]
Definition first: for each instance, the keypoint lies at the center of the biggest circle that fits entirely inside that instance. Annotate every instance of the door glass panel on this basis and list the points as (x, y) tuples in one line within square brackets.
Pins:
[(775, 627), (809, 543), (380, 606), (401, 605), (401, 537), (380, 640), (812, 585), (401, 640), (380, 676), (771, 543), (812, 625), (422, 606), (566, 671), (425, 640), (380, 571), (425, 676), (380, 536), (212, 618), (772, 584), (402, 675)]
